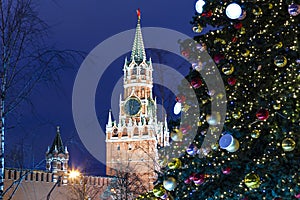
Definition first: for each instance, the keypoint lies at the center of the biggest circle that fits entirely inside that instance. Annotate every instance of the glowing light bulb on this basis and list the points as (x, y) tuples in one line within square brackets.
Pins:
[(177, 108), (233, 11), (199, 6)]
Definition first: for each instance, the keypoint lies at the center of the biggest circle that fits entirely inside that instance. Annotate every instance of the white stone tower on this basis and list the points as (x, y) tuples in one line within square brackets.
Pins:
[(133, 140)]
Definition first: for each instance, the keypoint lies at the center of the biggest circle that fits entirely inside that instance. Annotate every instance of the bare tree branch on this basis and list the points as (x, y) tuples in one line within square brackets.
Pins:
[(26, 60)]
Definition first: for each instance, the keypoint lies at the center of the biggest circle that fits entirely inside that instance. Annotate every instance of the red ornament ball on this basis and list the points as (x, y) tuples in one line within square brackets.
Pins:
[(207, 14), (297, 196), (187, 181), (180, 98), (199, 179), (234, 39), (191, 177), (196, 82), (262, 114), (226, 170), (218, 58), (185, 53), (238, 25), (185, 128), (231, 81)]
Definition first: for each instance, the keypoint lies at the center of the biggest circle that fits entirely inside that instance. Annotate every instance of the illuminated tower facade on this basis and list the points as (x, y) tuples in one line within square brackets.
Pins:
[(57, 158), (132, 142)]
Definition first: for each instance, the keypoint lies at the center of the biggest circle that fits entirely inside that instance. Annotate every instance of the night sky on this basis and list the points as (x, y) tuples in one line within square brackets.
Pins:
[(82, 25)]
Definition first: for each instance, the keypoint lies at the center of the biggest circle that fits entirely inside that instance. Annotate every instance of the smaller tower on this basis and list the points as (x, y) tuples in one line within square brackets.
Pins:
[(57, 157)]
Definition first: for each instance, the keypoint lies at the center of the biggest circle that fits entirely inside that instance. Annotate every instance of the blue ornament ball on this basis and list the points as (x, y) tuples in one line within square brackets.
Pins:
[(192, 150), (294, 9)]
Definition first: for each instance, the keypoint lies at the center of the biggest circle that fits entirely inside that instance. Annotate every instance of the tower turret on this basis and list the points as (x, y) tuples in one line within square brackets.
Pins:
[(57, 157)]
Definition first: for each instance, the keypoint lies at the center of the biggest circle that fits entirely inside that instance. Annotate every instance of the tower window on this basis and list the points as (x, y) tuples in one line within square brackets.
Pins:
[(129, 147), (118, 147), (115, 132)]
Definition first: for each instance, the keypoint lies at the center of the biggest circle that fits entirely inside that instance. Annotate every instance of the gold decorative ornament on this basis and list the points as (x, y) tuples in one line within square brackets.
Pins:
[(197, 29), (255, 134), (252, 180), (228, 69), (288, 144), (159, 190), (280, 61), (175, 163)]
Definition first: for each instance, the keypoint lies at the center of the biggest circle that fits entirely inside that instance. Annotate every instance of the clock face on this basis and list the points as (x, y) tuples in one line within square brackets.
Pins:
[(132, 106)]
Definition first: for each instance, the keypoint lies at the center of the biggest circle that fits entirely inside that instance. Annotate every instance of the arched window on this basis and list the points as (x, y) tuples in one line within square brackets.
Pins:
[(134, 73), (115, 133), (124, 134), (135, 132), (145, 131)]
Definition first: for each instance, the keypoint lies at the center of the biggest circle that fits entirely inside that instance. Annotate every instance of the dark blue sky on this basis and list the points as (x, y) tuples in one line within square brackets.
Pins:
[(82, 25)]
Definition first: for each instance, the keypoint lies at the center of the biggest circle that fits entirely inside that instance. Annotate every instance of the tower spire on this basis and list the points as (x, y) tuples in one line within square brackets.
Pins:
[(138, 53), (57, 143), (109, 123)]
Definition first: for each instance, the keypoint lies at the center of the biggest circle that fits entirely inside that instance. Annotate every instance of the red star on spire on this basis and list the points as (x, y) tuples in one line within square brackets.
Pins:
[(138, 12)]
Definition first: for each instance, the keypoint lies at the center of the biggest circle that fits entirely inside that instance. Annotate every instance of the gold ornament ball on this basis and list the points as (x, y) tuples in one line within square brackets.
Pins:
[(220, 96), (252, 180), (276, 106), (162, 162), (255, 134), (159, 190), (176, 135), (270, 6), (199, 123), (197, 29), (278, 45), (288, 144), (228, 69), (222, 41), (215, 146), (246, 53), (175, 164), (213, 119), (237, 115), (257, 11), (186, 107), (242, 30), (280, 61)]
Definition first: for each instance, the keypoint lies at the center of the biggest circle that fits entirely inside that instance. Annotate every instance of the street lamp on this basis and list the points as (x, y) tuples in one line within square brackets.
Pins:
[(74, 174), (77, 178)]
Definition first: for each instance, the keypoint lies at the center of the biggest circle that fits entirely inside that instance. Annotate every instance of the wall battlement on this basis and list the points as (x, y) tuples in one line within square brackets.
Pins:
[(44, 176)]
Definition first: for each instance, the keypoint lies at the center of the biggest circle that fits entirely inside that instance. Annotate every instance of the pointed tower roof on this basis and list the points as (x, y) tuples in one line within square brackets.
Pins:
[(57, 143), (138, 53), (109, 123)]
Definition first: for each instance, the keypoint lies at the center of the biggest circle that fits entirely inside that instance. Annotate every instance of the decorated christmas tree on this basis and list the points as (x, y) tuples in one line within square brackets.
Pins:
[(254, 46)]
